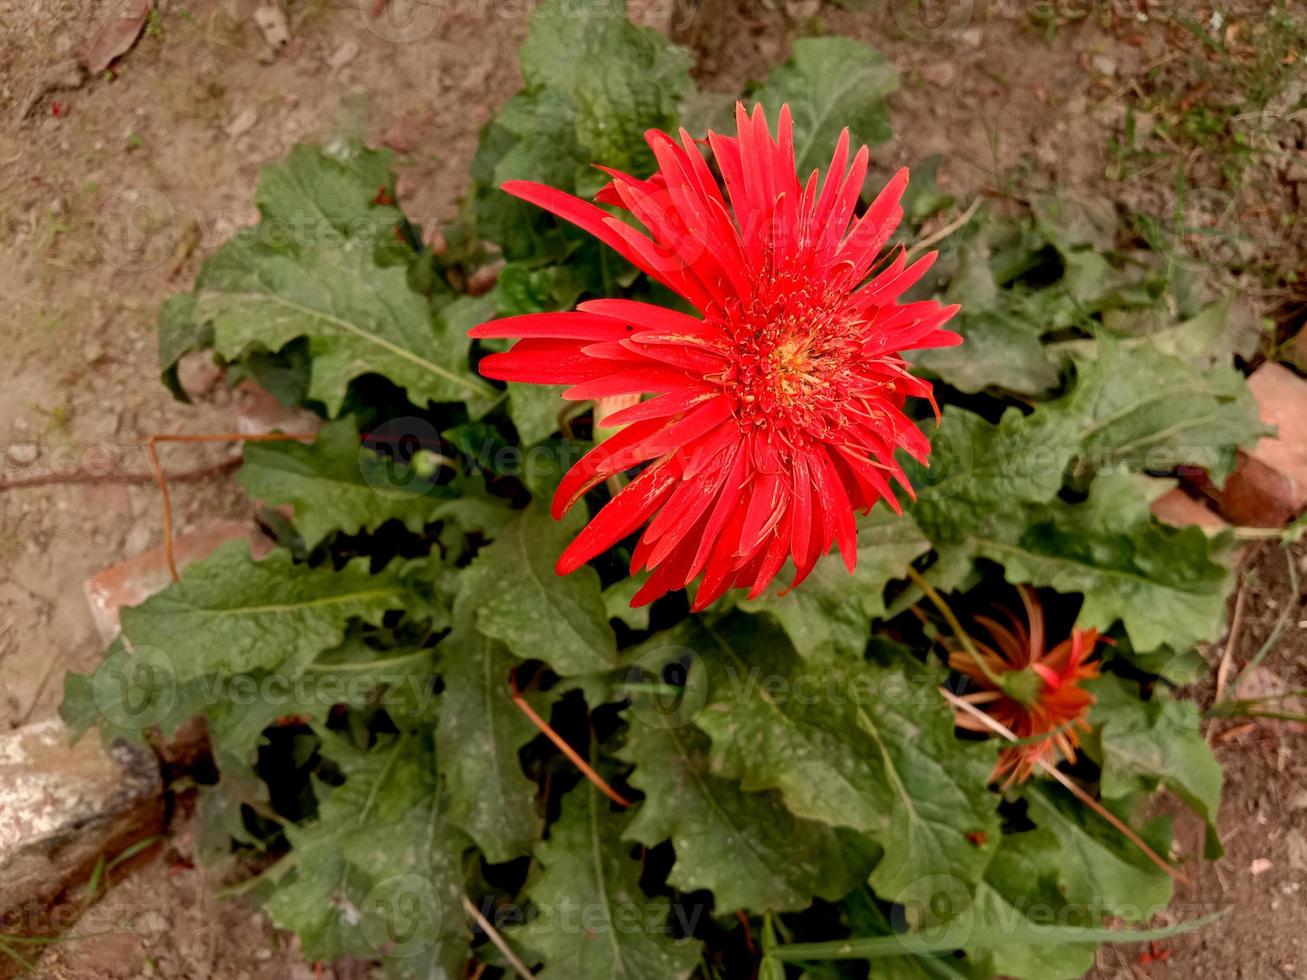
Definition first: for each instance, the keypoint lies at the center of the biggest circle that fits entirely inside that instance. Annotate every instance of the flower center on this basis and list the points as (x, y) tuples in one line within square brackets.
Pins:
[(794, 363)]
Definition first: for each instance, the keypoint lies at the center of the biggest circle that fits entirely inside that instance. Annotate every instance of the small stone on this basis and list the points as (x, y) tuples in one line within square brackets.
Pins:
[(271, 22), (198, 374), (243, 123), (22, 454), (940, 74), (259, 413), (1295, 848), (972, 37), (343, 55), (1260, 866), (151, 923), (140, 537), (1104, 65)]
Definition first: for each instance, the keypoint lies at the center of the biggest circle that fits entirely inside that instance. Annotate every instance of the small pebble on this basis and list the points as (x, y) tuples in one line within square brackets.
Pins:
[(343, 55), (272, 22), (23, 454), (243, 122), (1104, 65), (940, 74)]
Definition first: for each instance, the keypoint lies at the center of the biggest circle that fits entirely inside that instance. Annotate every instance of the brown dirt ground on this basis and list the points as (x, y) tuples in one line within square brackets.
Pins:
[(1012, 112)]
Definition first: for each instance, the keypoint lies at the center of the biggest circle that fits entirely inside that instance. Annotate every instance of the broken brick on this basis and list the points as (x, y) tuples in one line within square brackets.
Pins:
[(1269, 485), (131, 582), (1178, 509)]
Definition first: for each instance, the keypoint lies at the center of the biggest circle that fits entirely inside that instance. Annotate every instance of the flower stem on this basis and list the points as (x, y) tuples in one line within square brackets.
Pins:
[(956, 627)]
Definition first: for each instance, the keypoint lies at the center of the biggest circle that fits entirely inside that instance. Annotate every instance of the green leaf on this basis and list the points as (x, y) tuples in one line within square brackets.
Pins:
[(479, 735), (378, 874), (231, 614), (337, 484), (1099, 867), (1213, 336), (854, 745), (1141, 744), (524, 288), (1021, 891), (987, 937), (997, 351), (831, 612), (617, 601), (621, 79), (534, 410), (592, 918), (239, 708), (309, 270), (1168, 585), (322, 192), (746, 848), (981, 480), (595, 83), (830, 83), (867, 919), (511, 593), (1145, 410)]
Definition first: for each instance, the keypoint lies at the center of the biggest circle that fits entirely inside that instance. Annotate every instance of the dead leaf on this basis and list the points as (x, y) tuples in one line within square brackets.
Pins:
[(116, 35)]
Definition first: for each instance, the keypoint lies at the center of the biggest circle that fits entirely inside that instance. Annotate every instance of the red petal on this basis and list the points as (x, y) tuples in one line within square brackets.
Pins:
[(563, 326), (628, 381), (619, 517)]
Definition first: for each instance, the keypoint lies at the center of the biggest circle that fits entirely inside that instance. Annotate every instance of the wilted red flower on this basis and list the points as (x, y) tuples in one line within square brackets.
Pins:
[(779, 408), (1038, 694)]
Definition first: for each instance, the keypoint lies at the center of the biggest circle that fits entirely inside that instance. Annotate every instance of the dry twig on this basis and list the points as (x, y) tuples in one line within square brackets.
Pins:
[(500, 943), (586, 770), (151, 445), (999, 728)]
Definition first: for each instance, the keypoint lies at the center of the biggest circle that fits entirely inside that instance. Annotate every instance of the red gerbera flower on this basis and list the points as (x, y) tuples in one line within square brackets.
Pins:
[(779, 408), (1037, 694)]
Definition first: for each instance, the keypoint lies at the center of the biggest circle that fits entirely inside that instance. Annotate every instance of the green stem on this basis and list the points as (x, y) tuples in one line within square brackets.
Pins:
[(938, 601), (974, 936), (1244, 707)]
